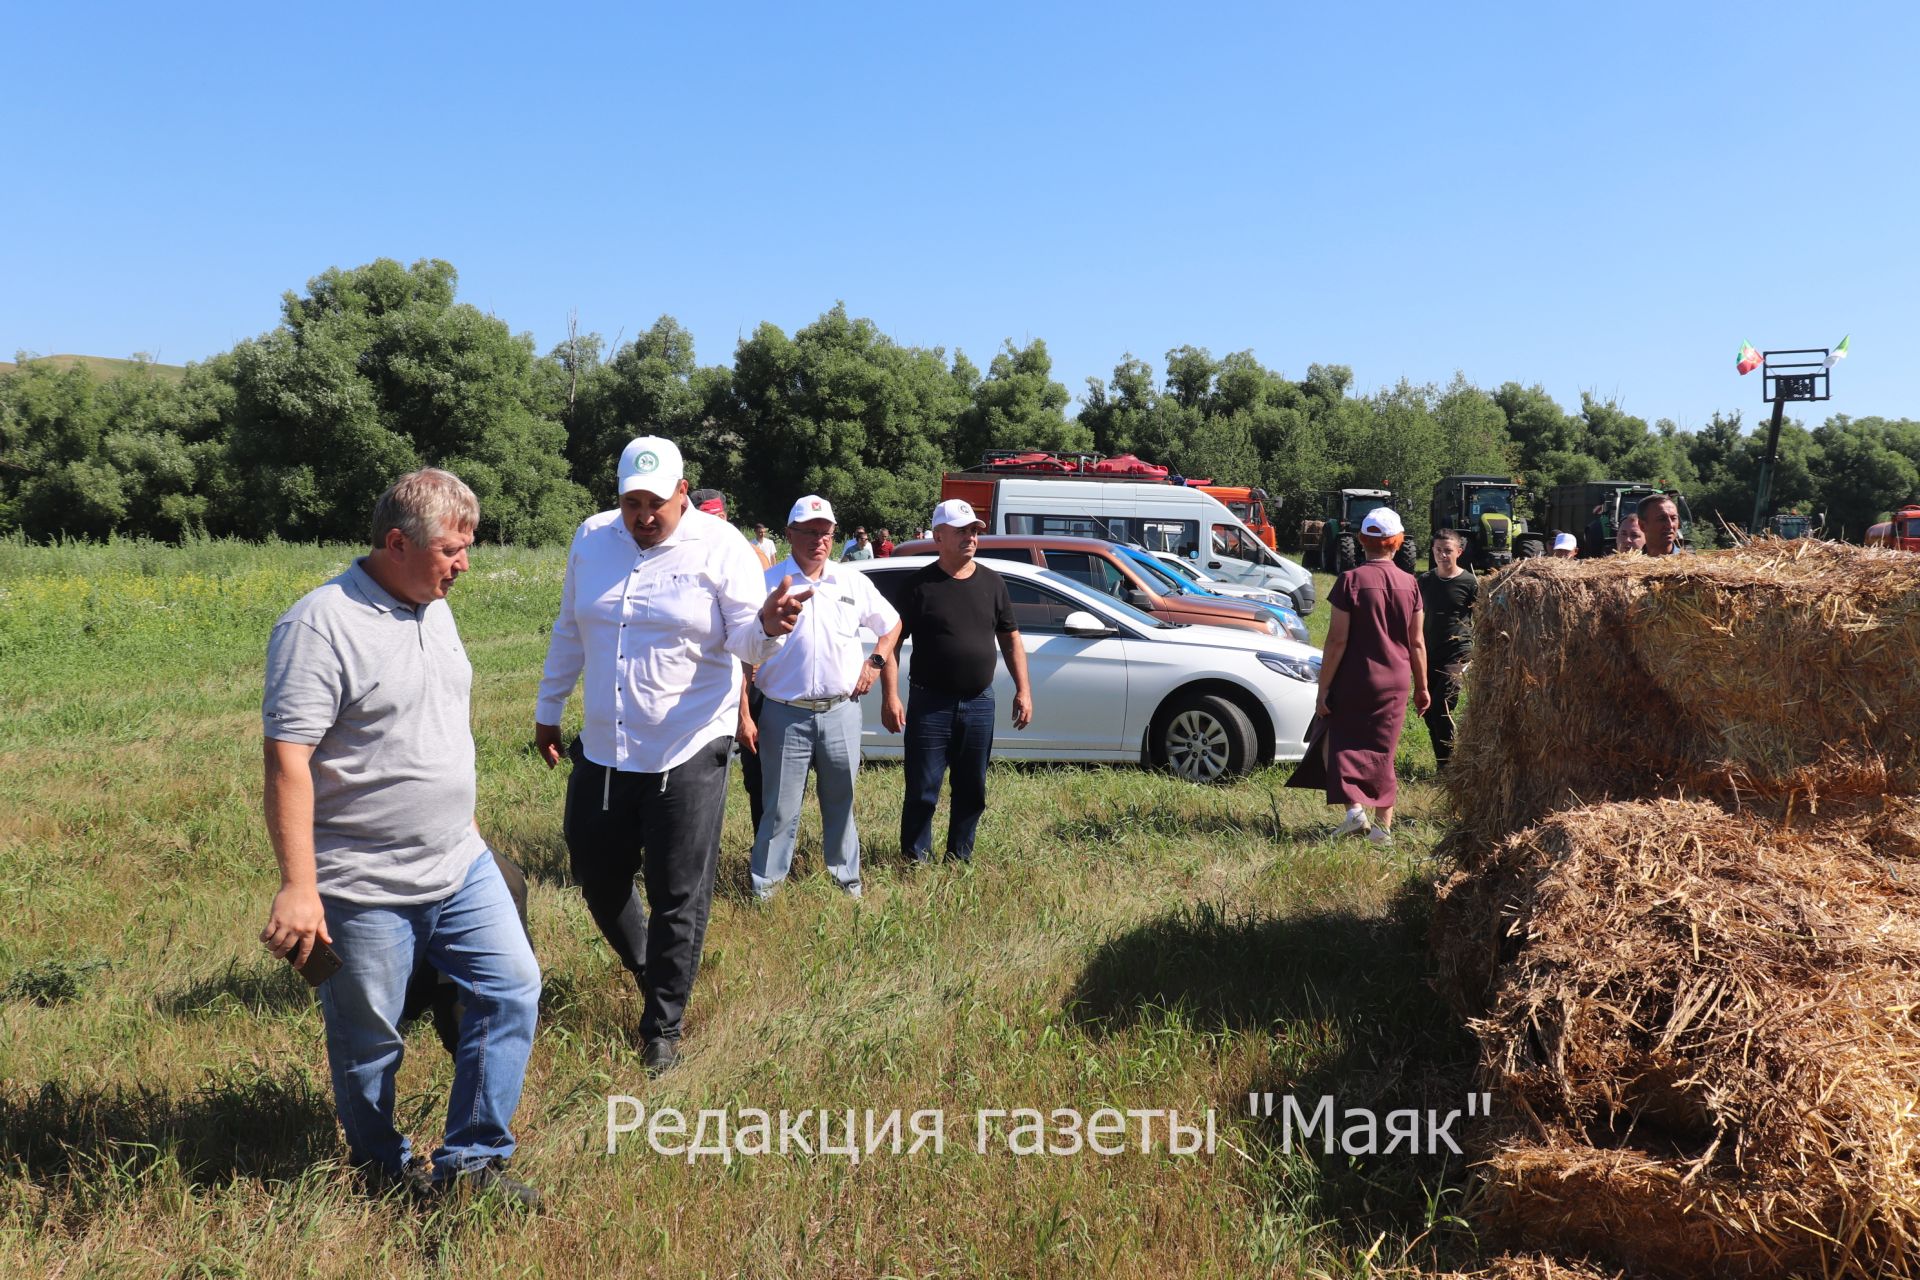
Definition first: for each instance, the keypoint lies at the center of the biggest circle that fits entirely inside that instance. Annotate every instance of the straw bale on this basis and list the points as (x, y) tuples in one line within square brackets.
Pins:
[(1534, 1266), (1704, 1038), (1780, 669)]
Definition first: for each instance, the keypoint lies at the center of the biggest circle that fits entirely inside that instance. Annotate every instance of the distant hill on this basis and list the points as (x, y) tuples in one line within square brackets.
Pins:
[(103, 366)]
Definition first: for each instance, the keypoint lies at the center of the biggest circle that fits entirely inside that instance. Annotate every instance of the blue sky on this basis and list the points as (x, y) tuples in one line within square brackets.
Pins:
[(1607, 198)]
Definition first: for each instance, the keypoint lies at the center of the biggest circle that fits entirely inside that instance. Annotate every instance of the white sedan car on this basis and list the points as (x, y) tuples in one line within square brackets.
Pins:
[(1113, 683)]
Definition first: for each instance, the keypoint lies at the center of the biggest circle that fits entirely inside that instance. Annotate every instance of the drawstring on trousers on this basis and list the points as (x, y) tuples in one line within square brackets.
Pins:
[(606, 790)]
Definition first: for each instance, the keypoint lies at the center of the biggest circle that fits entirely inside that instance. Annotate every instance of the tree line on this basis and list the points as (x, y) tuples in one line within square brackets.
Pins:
[(378, 369)]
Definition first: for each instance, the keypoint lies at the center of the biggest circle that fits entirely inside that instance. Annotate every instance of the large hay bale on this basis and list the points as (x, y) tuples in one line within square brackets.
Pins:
[(1779, 669), (1704, 1040)]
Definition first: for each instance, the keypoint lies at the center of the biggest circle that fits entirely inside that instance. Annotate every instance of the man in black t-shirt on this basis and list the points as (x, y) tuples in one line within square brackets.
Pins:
[(1447, 593), (955, 611)]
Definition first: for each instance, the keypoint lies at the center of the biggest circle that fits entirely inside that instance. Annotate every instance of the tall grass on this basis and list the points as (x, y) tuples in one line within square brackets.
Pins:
[(1123, 940)]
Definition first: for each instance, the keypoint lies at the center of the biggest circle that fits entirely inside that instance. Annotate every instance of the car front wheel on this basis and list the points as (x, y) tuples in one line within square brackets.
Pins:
[(1203, 738)]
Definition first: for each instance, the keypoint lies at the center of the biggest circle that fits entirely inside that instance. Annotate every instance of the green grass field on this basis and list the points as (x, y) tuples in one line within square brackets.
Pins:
[(1122, 940), (104, 366)]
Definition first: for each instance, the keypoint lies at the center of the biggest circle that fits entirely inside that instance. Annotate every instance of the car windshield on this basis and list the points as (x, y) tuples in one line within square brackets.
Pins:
[(1105, 603), (1184, 569), (1163, 581)]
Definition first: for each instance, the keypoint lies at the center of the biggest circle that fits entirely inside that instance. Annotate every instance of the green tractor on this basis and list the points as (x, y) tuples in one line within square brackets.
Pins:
[(1791, 525), (1480, 509), (1332, 544)]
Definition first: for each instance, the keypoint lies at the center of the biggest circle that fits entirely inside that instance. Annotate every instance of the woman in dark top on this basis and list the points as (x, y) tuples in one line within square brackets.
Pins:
[(1374, 650), (1447, 593)]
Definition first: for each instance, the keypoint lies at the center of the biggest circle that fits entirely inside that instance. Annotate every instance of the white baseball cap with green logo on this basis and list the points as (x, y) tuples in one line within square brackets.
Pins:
[(651, 463)]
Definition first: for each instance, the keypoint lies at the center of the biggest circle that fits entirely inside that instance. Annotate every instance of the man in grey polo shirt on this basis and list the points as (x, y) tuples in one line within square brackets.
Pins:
[(369, 804)]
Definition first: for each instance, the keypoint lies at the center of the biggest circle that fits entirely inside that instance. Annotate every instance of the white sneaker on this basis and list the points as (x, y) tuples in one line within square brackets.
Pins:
[(1356, 824), (1380, 836)]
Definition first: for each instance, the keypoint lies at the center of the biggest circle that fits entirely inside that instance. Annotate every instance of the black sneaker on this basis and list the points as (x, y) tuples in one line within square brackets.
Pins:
[(492, 1179), (660, 1056)]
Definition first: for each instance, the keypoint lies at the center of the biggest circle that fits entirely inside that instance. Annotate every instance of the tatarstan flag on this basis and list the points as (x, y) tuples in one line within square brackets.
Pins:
[(1839, 353), (1749, 358)]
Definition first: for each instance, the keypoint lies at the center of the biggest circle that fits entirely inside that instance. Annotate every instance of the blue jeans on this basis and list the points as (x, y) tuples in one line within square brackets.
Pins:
[(791, 739), (472, 935), (945, 731)]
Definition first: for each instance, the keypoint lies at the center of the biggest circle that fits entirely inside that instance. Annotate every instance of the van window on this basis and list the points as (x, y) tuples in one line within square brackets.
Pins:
[(1231, 540), (1153, 534), (1089, 570)]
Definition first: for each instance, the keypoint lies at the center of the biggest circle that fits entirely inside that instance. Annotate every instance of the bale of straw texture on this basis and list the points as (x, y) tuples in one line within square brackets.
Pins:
[(1781, 668), (1704, 1040), (1533, 1266)]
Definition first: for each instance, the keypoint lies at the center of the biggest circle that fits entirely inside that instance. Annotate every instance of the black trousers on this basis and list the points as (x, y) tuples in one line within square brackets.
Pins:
[(750, 762), (1443, 684), (665, 828)]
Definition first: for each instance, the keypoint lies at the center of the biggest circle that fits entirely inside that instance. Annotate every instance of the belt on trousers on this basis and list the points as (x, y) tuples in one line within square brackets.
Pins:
[(807, 704)]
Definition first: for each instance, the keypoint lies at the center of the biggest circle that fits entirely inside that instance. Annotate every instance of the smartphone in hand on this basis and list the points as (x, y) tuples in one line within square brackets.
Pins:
[(322, 963)]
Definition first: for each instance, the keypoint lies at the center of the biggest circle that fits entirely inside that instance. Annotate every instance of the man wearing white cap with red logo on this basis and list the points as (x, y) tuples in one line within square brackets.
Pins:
[(957, 610), (660, 605), (810, 692)]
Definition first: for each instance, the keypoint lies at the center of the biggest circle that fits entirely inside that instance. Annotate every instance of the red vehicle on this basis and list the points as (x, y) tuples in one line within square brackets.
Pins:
[(1901, 533)]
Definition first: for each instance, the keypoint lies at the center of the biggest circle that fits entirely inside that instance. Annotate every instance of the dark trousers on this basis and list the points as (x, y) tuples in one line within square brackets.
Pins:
[(665, 827), (944, 731), (1443, 684), (750, 761)]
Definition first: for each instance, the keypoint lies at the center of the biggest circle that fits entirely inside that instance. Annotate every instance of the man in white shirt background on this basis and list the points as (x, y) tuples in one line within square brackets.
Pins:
[(810, 712), (660, 604), (763, 542)]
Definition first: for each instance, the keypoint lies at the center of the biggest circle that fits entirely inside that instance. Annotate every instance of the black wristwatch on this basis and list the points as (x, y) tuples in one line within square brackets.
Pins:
[(876, 661)]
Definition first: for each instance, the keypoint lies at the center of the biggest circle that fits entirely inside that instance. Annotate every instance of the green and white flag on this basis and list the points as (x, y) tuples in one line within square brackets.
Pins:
[(1839, 353)]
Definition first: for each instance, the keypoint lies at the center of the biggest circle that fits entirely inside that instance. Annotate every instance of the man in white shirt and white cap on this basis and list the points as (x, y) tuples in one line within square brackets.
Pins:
[(660, 605), (810, 710), (1565, 546)]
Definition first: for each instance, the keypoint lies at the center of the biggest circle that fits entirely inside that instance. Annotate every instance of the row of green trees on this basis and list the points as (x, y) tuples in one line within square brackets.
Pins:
[(378, 369)]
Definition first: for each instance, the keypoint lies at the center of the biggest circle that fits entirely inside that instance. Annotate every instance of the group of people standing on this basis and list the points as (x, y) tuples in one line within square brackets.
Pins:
[(1391, 635), (668, 615)]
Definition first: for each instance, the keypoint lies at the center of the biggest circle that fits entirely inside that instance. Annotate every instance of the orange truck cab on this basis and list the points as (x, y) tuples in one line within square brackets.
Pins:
[(1901, 533), (1249, 504)]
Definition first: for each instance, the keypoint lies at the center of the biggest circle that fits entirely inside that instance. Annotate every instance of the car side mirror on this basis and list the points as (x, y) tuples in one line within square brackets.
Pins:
[(1138, 598), (1086, 625)]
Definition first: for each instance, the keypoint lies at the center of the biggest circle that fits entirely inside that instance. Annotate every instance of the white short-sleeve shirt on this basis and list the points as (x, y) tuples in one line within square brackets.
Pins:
[(821, 659)]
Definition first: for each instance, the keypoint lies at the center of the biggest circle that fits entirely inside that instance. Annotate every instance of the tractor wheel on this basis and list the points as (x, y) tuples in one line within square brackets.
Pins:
[(1529, 546), (1407, 558), (1346, 554)]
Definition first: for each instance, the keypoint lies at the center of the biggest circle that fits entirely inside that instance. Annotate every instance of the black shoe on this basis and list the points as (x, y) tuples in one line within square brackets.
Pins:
[(414, 1181), (492, 1179), (660, 1056)]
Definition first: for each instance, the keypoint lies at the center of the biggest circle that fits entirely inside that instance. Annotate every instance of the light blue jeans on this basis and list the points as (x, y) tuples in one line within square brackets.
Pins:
[(791, 740), (473, 935)]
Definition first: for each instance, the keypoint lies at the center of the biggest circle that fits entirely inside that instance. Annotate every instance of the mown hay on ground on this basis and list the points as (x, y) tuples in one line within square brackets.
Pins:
[(1704, 1038), (1779, 669)]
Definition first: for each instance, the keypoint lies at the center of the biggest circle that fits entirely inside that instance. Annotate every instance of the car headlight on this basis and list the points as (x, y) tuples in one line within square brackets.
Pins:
[(1273, 625), (1305, 670)]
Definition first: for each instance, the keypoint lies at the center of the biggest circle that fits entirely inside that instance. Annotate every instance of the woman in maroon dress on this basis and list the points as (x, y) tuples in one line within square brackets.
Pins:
[(1374, 650)]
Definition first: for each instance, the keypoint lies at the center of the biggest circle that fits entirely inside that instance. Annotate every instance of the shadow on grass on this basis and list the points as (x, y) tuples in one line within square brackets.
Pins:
[(1345, 1003), (263, 987), (242, 1123)]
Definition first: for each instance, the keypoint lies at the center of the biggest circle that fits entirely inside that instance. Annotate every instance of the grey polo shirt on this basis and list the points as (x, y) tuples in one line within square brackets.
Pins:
[(379, 688)]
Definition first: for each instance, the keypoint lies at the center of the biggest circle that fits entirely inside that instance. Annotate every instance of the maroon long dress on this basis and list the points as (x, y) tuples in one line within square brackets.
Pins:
[(1367, 704)]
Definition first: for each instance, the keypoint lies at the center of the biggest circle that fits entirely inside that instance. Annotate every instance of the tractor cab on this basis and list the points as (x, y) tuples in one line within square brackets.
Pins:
[(1480, 510)]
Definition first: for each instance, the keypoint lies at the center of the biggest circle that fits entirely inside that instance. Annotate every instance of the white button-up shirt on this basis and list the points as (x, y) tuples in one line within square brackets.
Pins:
[(657, 633), (821, 658)]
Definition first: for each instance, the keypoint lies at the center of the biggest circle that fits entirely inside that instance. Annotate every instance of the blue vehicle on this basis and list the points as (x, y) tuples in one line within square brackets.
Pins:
[(1170, 583)]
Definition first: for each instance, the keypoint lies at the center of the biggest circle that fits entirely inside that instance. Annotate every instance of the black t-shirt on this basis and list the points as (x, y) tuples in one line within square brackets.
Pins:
[(953, 622), (1448, 604)]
